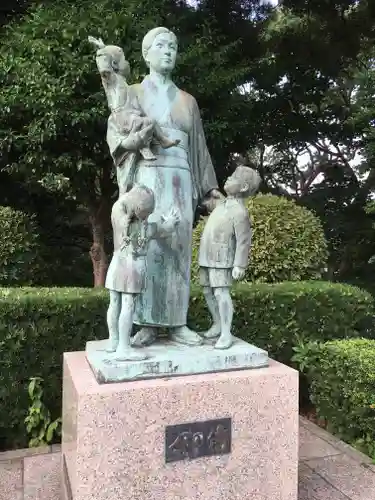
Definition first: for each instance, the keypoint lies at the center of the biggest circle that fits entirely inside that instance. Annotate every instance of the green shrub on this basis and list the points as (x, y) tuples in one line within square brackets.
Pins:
[(41, 429), (342, 387), (19, 245), (288, 242), (38, 325), (278, 316)]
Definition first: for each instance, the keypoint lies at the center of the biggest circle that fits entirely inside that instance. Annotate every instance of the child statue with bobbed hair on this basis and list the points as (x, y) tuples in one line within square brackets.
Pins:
[(127, 270)]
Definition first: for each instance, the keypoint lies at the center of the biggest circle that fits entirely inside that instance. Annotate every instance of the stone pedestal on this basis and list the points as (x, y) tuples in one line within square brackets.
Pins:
[(113, 439)]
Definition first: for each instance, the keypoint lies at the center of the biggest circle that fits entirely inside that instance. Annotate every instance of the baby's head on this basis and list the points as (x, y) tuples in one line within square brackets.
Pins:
[(244, 182), (114, 56), (110, 56), (139, 202)]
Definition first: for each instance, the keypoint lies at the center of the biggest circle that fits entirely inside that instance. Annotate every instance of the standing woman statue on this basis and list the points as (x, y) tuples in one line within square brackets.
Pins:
[(180, 177)]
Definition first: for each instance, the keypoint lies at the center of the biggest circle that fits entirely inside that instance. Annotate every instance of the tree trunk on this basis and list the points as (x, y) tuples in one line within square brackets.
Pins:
[(99, 219)]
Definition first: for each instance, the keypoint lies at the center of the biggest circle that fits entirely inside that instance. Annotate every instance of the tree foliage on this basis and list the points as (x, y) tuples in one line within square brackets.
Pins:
[(316, 94), (20, 262), (295, 81), (53, 125)]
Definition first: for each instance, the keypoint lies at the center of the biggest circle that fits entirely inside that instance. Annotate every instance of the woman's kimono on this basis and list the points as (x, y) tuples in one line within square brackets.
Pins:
[(180, 177)]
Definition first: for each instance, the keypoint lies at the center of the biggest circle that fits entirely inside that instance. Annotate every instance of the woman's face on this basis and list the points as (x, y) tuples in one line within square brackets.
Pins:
[(161, 56)]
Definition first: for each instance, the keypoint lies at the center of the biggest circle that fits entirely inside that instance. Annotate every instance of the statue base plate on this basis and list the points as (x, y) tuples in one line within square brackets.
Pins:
[(170, 359)]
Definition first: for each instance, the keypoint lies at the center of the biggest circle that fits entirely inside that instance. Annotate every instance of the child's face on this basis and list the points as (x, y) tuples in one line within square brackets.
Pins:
[(114, 55), (142, 213), (234, 184)]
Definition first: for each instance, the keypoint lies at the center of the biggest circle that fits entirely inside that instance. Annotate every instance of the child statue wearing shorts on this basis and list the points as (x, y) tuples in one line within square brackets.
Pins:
[(224, 252)]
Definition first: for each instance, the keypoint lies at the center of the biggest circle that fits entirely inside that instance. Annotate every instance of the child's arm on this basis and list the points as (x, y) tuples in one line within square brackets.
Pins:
[(125, 239), (242, 230), (103, 62), (97, 42), (165, 227)]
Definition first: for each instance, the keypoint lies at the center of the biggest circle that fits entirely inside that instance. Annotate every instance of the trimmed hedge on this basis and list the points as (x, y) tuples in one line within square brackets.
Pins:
[(278, 316), (342, 387), (38, 325)]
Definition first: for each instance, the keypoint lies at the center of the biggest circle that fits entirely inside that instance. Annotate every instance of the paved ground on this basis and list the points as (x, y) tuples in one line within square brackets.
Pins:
[(332, 470), (329, 470)]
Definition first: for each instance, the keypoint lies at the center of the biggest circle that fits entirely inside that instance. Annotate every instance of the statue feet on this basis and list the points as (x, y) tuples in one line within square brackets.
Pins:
[(183, 335), (224, 342), (168, 143), (145, 337), (212, 333), (147, 154), (129, 354), (112, 343)]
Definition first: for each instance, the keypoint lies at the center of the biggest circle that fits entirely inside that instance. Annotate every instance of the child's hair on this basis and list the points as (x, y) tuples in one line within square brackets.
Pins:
[(118, 62), (251, 178), (139, 198)]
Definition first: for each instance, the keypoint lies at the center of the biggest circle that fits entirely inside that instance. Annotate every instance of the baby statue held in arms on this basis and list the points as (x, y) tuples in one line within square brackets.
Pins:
[(127, 271), (224, 252), (114, 70)]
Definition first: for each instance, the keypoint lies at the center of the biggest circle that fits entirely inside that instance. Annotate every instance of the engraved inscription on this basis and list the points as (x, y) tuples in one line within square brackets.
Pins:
[(198, 439), (218, 439), (187, 444)]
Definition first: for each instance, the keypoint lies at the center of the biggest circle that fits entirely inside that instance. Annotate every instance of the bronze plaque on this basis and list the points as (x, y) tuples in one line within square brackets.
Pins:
[(198, 439)]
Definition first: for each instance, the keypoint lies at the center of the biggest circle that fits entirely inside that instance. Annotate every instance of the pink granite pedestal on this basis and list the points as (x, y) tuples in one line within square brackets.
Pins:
[(114, 435)]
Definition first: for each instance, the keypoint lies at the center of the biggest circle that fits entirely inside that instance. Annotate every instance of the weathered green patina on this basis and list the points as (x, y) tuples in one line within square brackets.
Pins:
[(180, 177), (156, 139)]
